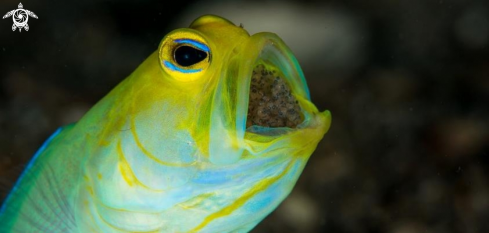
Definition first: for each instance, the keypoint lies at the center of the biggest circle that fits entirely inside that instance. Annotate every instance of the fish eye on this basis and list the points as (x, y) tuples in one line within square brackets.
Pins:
[(187, 55)]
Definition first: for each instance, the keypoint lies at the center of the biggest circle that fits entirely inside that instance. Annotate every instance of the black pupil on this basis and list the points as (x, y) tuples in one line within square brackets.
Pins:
[(187, 56)]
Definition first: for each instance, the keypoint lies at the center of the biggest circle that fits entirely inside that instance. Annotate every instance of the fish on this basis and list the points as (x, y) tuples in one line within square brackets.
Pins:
[(209, 134)]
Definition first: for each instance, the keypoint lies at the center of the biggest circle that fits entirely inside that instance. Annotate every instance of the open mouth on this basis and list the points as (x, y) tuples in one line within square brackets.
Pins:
[(263, 97), (271, 102)]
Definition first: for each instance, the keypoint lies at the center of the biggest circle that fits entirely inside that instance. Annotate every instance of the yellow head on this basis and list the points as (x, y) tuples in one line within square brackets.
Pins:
[(211, 132)]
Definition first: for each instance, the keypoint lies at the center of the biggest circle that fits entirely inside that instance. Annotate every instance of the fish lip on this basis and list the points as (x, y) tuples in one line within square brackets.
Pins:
[(270, 48)]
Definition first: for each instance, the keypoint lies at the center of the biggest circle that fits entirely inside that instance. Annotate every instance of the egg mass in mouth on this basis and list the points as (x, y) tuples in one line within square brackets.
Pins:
[(271, 102)]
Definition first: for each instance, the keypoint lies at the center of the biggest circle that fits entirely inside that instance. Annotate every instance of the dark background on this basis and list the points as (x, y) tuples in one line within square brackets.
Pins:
[(407, 83)]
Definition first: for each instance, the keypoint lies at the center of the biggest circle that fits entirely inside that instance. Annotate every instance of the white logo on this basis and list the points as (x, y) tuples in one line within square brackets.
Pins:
[(20, 17)]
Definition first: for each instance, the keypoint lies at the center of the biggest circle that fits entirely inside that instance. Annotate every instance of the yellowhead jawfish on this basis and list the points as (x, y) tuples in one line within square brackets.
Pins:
[(209, 134)]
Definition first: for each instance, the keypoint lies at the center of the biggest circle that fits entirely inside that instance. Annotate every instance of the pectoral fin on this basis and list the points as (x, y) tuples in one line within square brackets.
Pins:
[(37, 203)]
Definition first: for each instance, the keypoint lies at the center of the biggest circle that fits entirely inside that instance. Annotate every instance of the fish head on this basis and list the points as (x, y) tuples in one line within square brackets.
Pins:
[(235, 79), (214, 128)]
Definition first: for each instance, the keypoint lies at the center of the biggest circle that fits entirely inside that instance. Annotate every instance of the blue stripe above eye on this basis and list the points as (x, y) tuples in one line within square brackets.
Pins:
[(194, 43), (170, 66)]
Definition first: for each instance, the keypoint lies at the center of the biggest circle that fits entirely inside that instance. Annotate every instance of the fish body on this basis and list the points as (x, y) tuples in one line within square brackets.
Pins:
[(169, 149)]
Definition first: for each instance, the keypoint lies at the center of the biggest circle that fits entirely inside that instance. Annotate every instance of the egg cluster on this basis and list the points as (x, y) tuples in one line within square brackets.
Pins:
[(271, 102)]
